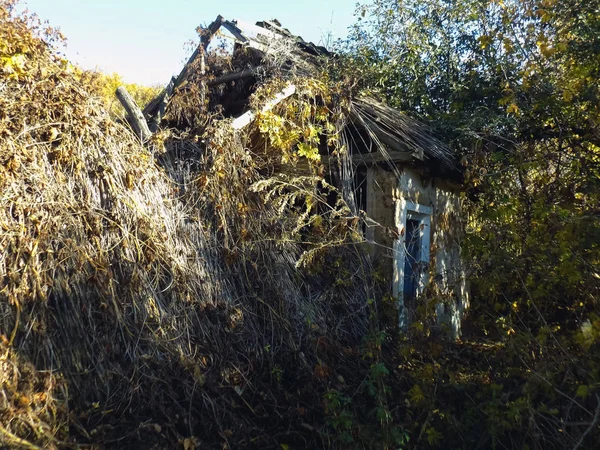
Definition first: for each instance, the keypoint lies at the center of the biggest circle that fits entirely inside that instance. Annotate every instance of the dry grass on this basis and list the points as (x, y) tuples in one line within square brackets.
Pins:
[(148, 294)]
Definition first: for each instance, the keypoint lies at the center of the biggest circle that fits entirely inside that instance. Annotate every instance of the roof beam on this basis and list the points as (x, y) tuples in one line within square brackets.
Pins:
[(134, 114), (234, 76), (394, 156), (247, 118), (205, 40)]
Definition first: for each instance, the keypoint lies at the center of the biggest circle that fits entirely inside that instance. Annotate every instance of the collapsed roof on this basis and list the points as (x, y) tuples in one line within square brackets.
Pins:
[(374, 132)]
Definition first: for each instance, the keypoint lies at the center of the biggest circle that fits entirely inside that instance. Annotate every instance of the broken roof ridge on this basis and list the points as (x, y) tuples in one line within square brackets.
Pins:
[(387, 126)]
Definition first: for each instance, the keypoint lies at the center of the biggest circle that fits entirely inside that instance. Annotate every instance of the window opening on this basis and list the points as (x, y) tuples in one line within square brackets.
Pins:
[(412, 256), (412, 259)]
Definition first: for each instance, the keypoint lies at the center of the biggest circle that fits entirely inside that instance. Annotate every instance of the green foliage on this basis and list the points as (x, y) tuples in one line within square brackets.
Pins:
[(297, 128), (339, 416), (362, 416), (514, 87)]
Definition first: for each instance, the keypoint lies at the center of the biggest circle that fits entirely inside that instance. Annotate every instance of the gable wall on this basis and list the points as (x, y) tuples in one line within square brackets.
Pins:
[(447, 286)]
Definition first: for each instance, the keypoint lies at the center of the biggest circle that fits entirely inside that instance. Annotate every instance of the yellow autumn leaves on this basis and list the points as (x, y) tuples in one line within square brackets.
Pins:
[(107, 84), (13, 66), (297, 127)]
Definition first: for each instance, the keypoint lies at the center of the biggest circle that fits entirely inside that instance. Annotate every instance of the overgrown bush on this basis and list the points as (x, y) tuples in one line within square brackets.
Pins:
[(185, 294), (157, 295), (513, 86)]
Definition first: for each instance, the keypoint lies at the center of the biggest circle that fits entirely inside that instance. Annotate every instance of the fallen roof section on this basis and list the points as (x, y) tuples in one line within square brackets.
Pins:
[(395, 136)]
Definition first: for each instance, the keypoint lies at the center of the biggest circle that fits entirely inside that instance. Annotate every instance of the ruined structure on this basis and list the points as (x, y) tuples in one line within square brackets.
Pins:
[(399, 179)]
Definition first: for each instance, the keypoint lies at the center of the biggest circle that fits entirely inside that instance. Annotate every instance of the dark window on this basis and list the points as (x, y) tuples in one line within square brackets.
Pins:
[(412, 261)]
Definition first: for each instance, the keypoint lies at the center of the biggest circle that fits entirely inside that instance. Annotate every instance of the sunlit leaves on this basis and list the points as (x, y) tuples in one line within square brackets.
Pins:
[(514, 86), (13, 66), (513, 109), (308, 152), (297, 127), (107, 84)]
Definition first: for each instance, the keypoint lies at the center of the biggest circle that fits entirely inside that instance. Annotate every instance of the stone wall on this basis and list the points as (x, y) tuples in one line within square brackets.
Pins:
[(387, 191)]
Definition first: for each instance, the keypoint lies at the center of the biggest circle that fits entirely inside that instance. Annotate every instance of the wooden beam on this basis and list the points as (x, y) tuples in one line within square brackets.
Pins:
[(271, 25), (233, 29), (234, 76), (162, 100), (249, 116), (158, 106), (211, 31), (253, 31), (205, 39), (134, 113), (394, 156)]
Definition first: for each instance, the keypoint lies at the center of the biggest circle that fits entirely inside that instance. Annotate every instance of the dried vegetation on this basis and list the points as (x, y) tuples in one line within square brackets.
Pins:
[(164, 294)]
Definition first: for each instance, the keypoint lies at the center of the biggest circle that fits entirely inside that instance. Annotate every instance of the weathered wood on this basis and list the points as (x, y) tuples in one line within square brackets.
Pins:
[(134, 113), (153, 105), (235, 31), (274, 25), (249, 116), (156, 109), (205, 40), (166, 98), (390, 156), (255, 32), (234, 76), (239, 30), (376, 157)]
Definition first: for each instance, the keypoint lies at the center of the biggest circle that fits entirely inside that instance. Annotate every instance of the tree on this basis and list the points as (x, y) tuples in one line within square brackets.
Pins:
[(514, 87)]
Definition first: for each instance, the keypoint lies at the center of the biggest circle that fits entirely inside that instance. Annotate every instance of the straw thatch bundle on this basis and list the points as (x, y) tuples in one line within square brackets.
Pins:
[(153, 294)]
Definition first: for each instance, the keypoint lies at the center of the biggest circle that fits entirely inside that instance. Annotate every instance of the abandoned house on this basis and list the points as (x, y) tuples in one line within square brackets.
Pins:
[(398, 178)]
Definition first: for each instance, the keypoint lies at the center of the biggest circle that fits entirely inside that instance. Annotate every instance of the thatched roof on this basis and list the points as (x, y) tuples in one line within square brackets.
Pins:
[(152, 295), (389, 135)]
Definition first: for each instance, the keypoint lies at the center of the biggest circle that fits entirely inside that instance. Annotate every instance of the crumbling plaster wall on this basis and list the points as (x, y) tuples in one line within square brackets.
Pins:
[(447, 286)]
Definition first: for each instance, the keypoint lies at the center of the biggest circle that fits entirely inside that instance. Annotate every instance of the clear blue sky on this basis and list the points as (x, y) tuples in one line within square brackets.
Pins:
[(143, 40)]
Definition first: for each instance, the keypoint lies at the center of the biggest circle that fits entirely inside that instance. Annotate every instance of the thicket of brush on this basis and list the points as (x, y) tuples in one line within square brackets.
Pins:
[(168, 294), (206, 289)]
